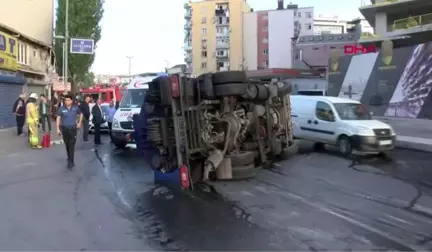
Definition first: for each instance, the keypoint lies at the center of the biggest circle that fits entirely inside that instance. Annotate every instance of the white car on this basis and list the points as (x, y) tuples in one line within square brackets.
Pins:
[(104, 126)]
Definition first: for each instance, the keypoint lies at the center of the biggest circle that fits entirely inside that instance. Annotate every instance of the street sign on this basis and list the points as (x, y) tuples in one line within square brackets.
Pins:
[(82, 46)]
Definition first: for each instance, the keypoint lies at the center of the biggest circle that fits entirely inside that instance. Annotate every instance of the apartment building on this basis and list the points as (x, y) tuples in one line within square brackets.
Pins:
[(334, 25), (269, 35), (213, 35), (405, 22), (26, 56)]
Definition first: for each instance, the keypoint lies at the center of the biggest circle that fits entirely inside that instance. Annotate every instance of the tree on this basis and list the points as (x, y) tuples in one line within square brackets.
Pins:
[(84, 22)]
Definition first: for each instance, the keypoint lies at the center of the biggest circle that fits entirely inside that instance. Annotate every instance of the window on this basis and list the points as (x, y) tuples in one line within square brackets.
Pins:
[(299, 14), (324, 112), (265, 40), (204, 43), (265, 29), (133, 98), (309, 14), (23, 53), (204, 31), (220, 64), (203, 20), (265, 63), (204, 54), (265, 52), (265, 17), (203, 65), (308, 26), (352, 111)]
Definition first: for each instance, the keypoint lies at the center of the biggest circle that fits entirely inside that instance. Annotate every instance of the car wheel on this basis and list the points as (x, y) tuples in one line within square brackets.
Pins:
[(244, 172), (344, 145), (120, 145), (230, 89), (242, 158), (229, 77)]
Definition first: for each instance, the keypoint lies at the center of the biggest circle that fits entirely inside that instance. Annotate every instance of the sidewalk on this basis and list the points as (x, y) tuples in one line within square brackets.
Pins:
[(411, 133), (10, 142)]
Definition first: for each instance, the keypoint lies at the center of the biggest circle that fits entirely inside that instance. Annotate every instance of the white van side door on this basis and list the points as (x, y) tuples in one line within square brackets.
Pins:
[(325, 123)]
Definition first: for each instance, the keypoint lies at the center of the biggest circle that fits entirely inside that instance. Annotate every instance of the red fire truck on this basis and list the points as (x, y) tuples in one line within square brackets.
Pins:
[(106, 93)]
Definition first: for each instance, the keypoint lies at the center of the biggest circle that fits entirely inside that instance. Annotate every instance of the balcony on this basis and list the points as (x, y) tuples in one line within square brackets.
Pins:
[(222, 21), (222, 57), (187, 47), (412, 22), (188, 26), (222, 45), (221, 13), (188, 59), (188, 14)]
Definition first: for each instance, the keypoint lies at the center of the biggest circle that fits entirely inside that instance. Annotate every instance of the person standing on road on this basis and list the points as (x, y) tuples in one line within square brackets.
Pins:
[(32, 116), (44, 113), (68, 126), (19, 112), (97, 120), (85, 110), (111, 112)]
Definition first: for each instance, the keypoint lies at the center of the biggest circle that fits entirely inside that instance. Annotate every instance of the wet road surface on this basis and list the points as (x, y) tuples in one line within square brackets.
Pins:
[(314, 201)]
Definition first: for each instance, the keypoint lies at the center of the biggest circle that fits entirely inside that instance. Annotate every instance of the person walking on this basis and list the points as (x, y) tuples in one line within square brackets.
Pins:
[(111, 113), (68, 126), (44, 113), (19, 111), (97, 120), (85, 110), (32, 116)]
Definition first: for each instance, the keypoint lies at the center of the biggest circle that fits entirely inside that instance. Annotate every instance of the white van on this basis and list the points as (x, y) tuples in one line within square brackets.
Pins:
[(342, 122), (130, 104)]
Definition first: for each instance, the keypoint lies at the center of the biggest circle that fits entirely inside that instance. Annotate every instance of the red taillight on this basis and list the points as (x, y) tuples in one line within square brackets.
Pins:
[(184, 177), (175, 86)]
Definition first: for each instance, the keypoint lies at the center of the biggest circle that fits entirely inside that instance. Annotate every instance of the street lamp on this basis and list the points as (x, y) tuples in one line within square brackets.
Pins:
[(65, 44)]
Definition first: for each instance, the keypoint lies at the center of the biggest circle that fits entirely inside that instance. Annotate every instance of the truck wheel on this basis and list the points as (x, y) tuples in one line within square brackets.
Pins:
[(242, 158), (291, 150), (230, 89), (244, 172), (229, 77), (344, 145)]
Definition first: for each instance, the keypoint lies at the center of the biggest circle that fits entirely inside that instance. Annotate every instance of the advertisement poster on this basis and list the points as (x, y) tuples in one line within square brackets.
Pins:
[(8, 52)]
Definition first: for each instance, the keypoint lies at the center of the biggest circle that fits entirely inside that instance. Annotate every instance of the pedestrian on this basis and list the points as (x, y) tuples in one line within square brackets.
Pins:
[(85, 110), (44, 113), (111, 113), (19, 111), (68, 126), (32, 116), (97, 120)]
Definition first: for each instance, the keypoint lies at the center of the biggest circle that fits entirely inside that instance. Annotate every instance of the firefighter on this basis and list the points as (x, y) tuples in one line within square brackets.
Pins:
[(32, 118)]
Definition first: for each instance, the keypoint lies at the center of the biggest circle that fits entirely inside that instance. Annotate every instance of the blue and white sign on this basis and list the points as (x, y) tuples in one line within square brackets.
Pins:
[(82, 46)]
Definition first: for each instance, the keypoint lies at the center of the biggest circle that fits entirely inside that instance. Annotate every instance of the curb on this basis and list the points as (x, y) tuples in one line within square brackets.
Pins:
[(413, 146)]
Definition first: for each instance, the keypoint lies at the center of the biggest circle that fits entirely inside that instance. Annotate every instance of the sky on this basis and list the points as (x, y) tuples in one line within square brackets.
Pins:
[(152, 31)]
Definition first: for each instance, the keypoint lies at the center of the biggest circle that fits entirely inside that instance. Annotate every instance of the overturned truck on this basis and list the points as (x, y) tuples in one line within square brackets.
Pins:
[(217, 126)]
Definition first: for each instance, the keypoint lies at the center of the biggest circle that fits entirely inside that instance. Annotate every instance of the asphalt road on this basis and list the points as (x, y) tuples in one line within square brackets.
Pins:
[(314, 201)]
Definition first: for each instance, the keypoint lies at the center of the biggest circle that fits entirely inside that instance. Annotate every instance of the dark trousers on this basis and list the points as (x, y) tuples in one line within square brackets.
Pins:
[(45, 119), (69, 138), (20, 120), (85, 128), (97, 137), (110, 129)]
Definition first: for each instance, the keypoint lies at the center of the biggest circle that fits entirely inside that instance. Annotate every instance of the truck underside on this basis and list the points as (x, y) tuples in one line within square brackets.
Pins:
[(219, 126)]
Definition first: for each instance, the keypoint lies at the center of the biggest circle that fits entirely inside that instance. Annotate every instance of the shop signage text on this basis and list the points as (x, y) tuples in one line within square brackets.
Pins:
[(359, 49)]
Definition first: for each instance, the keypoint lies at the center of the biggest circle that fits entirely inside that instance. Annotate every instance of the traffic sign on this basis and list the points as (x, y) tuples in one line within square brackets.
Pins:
[(82, 46)]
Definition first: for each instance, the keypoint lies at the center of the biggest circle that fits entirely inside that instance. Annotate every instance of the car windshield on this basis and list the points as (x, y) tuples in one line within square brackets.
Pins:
[(352, 111), (133, 98)]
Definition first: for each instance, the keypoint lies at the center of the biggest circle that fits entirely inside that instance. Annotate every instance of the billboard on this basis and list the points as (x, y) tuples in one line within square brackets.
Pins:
[(8, 52), (392, 82)]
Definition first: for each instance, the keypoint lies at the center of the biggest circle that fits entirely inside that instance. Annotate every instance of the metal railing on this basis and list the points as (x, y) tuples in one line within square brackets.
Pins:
[(410, 22)]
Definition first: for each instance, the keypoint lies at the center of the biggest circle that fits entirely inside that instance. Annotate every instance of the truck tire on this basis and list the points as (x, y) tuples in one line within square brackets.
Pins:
[(291, 150), (244, 172), (230, 89), (220, 78), (241, 159)]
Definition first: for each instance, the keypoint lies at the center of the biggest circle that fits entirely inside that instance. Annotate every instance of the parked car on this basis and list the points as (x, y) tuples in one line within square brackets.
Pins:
[(104, 126), (341, 122)]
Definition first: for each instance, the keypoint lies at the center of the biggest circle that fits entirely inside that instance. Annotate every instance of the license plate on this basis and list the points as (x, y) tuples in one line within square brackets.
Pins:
[(385, 142)]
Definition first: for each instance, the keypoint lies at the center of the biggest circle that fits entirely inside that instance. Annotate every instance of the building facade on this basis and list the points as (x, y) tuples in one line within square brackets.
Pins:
[(26, 57), (405, 22), (269, 36), (213, 35)]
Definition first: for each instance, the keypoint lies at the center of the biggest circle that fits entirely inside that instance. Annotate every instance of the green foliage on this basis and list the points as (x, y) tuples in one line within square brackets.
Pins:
[(84, 22)]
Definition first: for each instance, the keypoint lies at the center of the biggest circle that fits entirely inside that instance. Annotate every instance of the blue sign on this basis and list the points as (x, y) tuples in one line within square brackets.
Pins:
[(82, 46)]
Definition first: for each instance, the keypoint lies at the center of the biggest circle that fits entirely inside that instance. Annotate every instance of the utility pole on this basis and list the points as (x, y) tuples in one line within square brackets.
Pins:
[(130, 65), (66, 62)]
